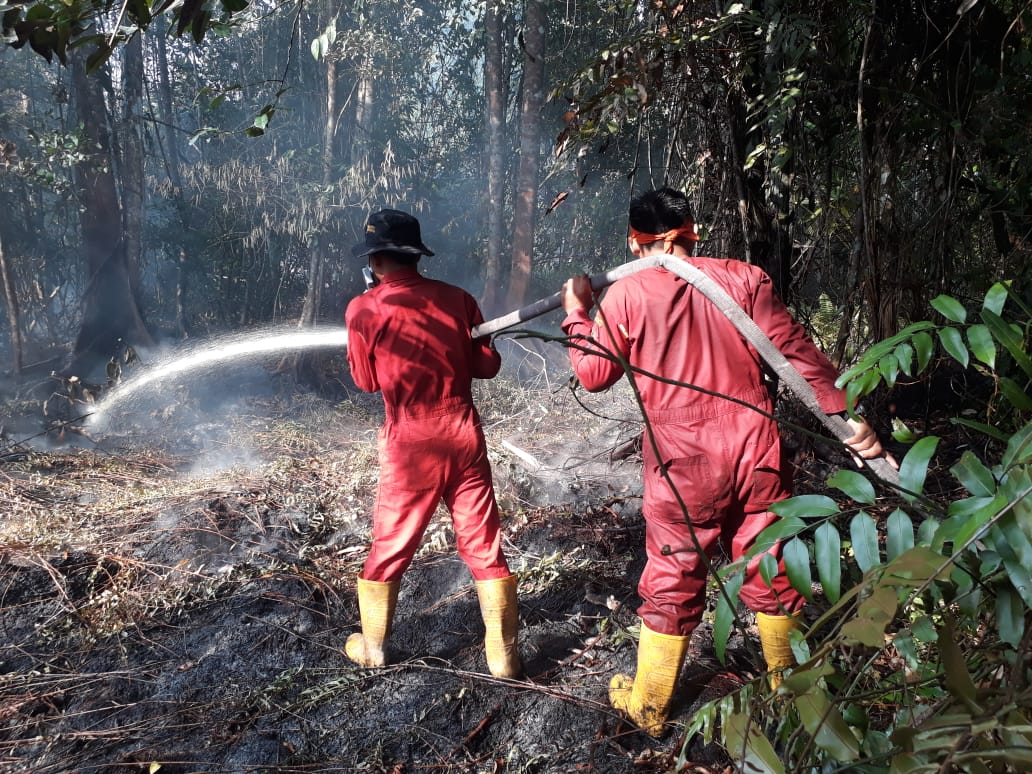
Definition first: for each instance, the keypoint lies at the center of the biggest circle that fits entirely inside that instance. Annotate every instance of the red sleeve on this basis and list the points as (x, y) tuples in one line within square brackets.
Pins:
[(360, 358), (791, 339), (486, 361), (596, 371)]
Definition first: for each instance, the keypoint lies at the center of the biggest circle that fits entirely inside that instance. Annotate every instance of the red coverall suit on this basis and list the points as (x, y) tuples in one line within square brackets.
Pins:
[(409, 337), (724, 458)]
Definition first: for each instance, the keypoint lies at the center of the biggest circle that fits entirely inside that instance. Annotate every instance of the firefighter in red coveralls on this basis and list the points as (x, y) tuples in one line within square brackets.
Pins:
[(723, 458), (409, 337)]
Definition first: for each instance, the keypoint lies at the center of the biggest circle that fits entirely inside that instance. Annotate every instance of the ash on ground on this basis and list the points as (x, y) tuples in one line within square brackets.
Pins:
[(159, 614)]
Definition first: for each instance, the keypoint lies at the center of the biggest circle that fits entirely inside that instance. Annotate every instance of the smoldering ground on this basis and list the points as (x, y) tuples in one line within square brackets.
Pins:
[(159, 616)]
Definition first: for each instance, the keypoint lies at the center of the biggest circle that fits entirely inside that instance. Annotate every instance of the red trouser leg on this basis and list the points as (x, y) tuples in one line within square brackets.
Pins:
[(421, 461), (474, 511), (727, 486)]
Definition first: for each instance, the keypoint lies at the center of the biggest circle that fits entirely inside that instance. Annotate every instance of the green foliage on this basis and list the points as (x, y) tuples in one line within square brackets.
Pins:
[(918, 660)]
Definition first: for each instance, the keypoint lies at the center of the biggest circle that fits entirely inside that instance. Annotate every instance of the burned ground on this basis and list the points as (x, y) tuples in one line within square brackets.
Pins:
[(175, 594)]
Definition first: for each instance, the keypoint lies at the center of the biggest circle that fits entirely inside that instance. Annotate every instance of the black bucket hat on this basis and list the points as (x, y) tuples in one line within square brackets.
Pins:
[(391, 231)]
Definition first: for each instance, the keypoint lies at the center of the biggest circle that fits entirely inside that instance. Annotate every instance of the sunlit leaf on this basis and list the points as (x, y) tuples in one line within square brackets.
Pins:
[(783, 528), (975, 476), (806, 506), (899, 534), (797, 566), (995, 298), (905, 357), (982, 345), (746, 743), (768, 569), (863, 533), (950, 308), (825, 724), (853, 484), (925, 347), (827, 549), (914, 467), (953, 343)]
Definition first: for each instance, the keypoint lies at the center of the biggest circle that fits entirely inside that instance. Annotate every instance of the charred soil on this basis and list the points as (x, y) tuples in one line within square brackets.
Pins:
[(175, 595)]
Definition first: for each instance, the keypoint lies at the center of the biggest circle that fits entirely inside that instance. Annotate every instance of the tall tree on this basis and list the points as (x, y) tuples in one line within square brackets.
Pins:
[(110, 311), (496, 82), (525, 199)]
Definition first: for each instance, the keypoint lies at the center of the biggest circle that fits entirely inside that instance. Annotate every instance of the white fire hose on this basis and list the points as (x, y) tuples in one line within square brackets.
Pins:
[(743, 322)]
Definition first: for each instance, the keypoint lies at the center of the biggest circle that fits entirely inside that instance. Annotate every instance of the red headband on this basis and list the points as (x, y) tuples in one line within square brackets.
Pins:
[(684, 231)]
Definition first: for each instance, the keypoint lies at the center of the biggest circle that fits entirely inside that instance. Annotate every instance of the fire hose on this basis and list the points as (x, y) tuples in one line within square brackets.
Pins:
[(752, 333)]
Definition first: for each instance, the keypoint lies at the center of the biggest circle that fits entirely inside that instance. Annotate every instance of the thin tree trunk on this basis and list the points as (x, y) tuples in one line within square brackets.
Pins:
[(132, 167), (11, 300), (530, 140), (495, 93), (166, 135)]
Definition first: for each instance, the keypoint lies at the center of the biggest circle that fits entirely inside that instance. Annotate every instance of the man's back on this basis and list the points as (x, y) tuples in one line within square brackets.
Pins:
[(410, 338)]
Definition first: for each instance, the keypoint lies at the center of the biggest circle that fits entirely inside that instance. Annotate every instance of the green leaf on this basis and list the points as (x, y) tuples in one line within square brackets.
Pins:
[(899, 534), (925, 347), (914, 467), (1019, 448), (1017, 397), (797, 566), (888, 366), (1010, 339), (1016, 552), (805, 506), (975, 476), (982, 345), (783, 528), (905, 357), (950, 308), (955, 675), (902, 433), (724, 616), (768, 569), (981, 427), (745, 743), (1010, 616), (853, 484), (826, 725), (827, 548), (863, 532), (953, 343), (996, 298)]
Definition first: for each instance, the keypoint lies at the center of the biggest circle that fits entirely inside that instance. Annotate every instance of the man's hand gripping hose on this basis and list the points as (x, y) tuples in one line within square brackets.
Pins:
[(785, 371)]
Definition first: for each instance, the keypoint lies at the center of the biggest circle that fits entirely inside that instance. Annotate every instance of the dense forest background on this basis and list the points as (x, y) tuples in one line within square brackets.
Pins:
[(177, 170)]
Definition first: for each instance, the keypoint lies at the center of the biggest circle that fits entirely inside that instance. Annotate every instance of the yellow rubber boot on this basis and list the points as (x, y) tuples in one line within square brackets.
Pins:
[(501, 621), (376, 603), (777, 652), (646, 698)]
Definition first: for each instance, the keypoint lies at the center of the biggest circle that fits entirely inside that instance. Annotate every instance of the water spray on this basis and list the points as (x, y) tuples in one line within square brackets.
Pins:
[(217, 351)]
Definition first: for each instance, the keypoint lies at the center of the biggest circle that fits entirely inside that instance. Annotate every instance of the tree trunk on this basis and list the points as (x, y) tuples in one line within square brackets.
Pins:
[(11, 300), (111, 317), (530, 141), (132, 176), (168, 142), (495, 80)]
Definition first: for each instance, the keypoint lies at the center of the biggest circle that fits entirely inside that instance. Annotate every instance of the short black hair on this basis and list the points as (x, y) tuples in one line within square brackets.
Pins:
[(659, 211), (402, 259)]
